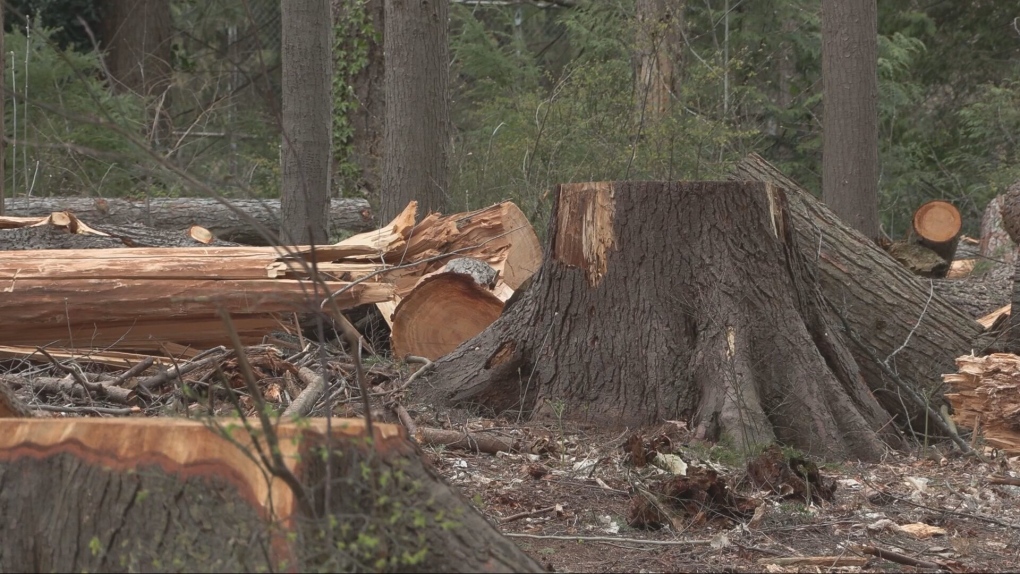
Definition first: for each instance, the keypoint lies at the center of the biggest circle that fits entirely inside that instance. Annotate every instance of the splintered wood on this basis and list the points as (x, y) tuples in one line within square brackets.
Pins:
[(155, 299), (986, 397)]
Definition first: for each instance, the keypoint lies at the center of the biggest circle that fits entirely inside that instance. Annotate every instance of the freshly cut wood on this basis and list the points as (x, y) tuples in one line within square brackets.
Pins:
[(937, 226), (961, 268), (58, 219), (995, 242), (499, 234), (987, 389), (114, 359), (441, 313), (992, 318), (153, 298), (143, 313), (919, 259), (181, 212), (169, 483)]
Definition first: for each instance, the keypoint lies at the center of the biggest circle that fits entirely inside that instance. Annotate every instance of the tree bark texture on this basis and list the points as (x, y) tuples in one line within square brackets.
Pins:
[(901, 317), (138, 38), (658, 44), (307, 120), (996, 243), (174, 495), (180, 212), (850, 122), (682, 301), (416, 144), (367, 113)]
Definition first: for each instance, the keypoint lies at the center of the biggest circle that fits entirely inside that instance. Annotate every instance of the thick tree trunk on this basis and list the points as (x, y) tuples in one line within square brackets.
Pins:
[(901, 317), (173, 495), (850, 131), (307, 120), (416, 143), (181, 212), (137, 37), (675, 301), (367, 97), (996, 243), (658, 45)]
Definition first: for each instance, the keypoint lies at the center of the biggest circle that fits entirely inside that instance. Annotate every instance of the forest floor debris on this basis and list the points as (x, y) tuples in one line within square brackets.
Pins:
[(587, 500)]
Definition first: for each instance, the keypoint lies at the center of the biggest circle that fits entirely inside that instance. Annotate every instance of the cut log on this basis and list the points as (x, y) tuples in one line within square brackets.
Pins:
[(165, 494), (182, 212), (961, 268), (141, 299), (937, 226), (987, 389), (148, 298), (499, 234), (61, 230), (995, 242), (442, 312)]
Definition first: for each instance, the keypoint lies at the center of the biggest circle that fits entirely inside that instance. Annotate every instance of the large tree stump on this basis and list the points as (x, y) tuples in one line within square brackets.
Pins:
[(675, 301), (174, 495)]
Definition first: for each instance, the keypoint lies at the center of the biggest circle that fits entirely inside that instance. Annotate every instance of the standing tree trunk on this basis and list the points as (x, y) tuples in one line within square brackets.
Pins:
[(675, 301), (658, 44), (416, 144), (307, 121), (137, 36), (850, 128), (360, 77)]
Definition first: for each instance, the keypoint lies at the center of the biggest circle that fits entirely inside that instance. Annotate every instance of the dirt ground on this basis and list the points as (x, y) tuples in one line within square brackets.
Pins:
[(582, 499), (567, 504)]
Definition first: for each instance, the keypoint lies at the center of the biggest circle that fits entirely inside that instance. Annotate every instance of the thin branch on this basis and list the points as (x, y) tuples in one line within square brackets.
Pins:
[(610, 539)]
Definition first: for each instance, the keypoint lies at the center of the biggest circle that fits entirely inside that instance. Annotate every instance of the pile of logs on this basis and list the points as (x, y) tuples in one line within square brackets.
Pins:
[(170, 299)]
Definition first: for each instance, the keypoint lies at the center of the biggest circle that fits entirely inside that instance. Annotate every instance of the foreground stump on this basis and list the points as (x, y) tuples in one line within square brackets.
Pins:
[(173, 495), (674, 301)]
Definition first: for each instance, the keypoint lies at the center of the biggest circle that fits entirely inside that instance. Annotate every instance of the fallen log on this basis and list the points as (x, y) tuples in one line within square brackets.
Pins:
[(147, 298), (897, 314), (183, 212), (987, 389), (171, 494), (445, 309)]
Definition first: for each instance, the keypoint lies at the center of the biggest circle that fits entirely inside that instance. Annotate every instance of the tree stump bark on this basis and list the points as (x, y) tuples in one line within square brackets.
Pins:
[(176, 495), (675, 301), (902, 318)]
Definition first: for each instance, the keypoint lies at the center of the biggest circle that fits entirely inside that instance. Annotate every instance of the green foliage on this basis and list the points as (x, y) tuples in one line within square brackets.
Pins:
[(353, 34), (72, 135), (525, 126)]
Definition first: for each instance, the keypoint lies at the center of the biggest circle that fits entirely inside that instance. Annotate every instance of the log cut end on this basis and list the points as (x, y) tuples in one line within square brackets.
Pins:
[(937, 225), (443, 311)]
